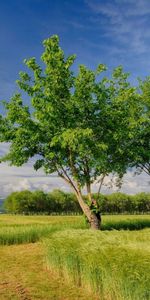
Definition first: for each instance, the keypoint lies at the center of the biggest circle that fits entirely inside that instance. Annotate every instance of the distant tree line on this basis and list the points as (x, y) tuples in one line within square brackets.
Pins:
[(59, 202), (27, 202), (123, 203)]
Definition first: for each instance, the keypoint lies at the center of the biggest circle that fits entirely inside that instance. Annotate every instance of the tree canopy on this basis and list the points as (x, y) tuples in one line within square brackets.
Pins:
[(78, 125)]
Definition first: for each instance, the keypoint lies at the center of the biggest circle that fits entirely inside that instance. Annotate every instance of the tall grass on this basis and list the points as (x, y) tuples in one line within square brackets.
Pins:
[(10, 235), (115, 265), (31, 233), (126, 224), (29, 229), (112, 264)]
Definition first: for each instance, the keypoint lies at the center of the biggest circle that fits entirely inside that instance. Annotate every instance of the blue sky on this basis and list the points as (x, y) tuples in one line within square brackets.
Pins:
[(113, 32)]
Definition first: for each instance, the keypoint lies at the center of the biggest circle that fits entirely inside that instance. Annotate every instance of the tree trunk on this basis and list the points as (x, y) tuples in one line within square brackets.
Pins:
[(94, 221)]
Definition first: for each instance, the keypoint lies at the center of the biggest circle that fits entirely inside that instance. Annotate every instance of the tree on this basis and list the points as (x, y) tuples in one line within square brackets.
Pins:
[(77, 126), (19, 202), (140, 144), (39, 202)]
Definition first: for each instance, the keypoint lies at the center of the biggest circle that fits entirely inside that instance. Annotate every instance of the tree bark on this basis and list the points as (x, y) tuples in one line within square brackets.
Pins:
[(95, 223), (93, 220), (91, 216)]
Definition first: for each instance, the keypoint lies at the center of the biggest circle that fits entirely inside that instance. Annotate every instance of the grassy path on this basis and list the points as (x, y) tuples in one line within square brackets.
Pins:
[(23, 276)]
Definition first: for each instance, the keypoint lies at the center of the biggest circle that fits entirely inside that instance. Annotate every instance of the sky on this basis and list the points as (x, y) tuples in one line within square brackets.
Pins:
[(113, 32)]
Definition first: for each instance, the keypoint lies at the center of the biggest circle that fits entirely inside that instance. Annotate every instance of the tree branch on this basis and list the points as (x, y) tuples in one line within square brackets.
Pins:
[(144, 168), (67, 178), (73, 169), (101, 182), (88, 181)]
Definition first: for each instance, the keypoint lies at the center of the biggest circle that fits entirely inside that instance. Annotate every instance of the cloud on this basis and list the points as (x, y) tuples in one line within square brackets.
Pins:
[(11, 183), (4, 148), (17, 179), (25, 177), (126, 22), (119, 9), (131, 184)]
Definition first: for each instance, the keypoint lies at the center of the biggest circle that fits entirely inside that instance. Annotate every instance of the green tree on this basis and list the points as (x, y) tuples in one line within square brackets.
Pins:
[(140, 144), (57, 199), (19, 202), (77, 126), (39, 202)]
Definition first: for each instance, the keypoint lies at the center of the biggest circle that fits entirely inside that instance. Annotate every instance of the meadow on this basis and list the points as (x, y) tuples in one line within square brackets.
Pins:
[(58, 257)]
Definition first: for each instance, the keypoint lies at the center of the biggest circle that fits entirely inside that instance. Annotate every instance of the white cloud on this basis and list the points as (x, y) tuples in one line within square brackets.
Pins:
[(131, 184), (127, 22), (17, 179), (25, 177), (4, 147)]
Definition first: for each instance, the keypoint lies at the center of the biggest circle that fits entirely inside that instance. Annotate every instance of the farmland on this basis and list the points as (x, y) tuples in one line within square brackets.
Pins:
[(46, 257)]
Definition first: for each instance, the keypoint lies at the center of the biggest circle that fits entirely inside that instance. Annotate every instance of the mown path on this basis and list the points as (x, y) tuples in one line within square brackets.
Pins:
[(23, 276)]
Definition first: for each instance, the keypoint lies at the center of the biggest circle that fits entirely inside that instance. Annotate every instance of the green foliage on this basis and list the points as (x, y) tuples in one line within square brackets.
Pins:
[(79, 126), (123, 203), (26, 202), (141, 142), (19, 202)]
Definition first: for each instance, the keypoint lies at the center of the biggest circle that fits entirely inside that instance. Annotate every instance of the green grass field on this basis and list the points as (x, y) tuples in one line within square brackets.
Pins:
[(58, 258)]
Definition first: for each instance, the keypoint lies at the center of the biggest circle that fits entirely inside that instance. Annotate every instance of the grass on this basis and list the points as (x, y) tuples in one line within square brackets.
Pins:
[(113, 264), (61, 259), (30, 229), (24, 276), (126, 222), (6, 219), (14, 231)]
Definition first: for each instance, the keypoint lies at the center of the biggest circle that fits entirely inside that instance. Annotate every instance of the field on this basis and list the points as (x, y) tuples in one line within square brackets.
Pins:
[(44, 257)]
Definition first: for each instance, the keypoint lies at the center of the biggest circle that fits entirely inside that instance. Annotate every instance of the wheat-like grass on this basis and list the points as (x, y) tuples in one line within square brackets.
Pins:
[(113, 264)]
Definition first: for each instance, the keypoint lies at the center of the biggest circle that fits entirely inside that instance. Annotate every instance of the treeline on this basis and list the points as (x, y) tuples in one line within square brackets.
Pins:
[(123, 203), (27, 202), (58, 202)]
